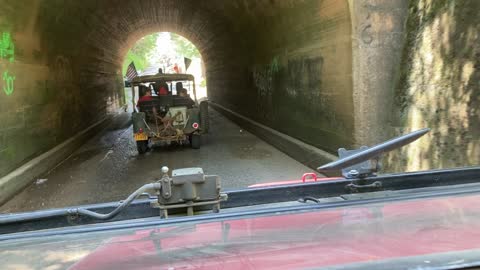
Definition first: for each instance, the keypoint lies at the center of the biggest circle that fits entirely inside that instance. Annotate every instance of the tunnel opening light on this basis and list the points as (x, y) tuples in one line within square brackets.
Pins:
[(171, 53)]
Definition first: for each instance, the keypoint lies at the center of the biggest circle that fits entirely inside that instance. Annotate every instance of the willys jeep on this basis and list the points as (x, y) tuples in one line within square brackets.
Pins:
[(167, 118)]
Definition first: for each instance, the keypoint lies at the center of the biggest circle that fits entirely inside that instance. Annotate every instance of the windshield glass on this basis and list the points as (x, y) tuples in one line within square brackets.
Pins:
[(338, 237), (114, 111)]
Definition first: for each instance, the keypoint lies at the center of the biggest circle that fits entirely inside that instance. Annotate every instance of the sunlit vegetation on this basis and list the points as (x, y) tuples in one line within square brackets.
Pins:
[(141, 52)]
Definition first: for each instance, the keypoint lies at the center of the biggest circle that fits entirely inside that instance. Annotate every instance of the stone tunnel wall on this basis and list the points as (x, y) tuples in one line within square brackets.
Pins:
[(439, 86), (44, 102), (300, 70)]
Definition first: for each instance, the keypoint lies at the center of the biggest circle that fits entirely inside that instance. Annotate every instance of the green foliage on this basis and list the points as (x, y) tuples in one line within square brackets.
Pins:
[(184, 47), (140, 53), (139, 61), (145, 45)]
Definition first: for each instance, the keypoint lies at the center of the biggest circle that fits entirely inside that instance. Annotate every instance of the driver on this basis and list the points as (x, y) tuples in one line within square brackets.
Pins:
[(146, 95)]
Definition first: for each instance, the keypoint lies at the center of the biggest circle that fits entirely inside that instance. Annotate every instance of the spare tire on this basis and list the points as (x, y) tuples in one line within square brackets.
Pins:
[(204, 121)]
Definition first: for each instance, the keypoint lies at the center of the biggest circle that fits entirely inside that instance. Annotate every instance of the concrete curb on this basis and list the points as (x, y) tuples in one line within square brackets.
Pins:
[(300, 151), (20, 178)]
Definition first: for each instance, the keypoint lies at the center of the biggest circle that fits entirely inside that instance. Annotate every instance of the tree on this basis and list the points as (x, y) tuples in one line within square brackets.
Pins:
[(184, 47), (141, 52)]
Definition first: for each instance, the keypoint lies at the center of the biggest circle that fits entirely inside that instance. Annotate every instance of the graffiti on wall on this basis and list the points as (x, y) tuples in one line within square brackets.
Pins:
[(263, 79), (8, 83), (7, 52)]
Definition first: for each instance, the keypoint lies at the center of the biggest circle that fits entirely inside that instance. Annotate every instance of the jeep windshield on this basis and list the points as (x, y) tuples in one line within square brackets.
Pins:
[(239, 134), (358, 221), (424, 232)]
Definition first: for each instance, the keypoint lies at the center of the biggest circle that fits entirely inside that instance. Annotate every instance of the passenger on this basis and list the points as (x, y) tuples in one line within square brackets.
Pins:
[(183, 93), (146, 95), (163, 89), (179, 88)]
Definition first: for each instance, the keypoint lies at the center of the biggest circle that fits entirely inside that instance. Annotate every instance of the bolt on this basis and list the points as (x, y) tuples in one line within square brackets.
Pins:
[(353, 173)]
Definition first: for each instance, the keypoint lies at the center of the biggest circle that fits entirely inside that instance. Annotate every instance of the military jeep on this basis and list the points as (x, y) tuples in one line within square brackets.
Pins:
[(169, 118)]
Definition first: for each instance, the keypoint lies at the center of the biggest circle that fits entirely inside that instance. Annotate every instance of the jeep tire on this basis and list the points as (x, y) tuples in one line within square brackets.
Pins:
[(142, 147)]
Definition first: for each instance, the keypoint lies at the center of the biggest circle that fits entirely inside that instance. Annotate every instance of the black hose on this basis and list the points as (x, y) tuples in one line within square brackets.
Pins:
[(125, 203), (16, 218)]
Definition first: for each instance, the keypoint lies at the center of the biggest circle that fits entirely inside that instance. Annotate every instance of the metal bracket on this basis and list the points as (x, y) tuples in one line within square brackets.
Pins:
[(363, 162), (360, 170), (355, 187), (188, 188)]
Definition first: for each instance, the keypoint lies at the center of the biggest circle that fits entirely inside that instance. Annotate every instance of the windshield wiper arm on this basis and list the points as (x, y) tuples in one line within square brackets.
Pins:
[(372, 152)]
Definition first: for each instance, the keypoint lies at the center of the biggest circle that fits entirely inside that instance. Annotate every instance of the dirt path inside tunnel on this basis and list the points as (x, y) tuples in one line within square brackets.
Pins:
[(108, 167)]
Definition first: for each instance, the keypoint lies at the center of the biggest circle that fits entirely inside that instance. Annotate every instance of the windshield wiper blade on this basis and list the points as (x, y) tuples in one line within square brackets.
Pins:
[(372, 152)]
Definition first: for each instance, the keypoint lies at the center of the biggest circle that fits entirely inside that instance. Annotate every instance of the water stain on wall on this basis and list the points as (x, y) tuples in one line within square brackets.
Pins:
[(439, 87)]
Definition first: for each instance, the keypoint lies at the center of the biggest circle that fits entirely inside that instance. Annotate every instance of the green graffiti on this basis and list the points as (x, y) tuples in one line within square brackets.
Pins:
[(274, 65), (8, 83), (7, 48), (7, 52)]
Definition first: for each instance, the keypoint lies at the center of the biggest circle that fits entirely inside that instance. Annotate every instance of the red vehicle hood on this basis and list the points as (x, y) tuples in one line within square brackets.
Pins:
[(300, 240)]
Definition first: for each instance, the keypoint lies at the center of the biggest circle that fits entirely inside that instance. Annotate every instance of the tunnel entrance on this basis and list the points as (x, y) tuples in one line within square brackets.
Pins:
[(282, 64), (170, 52)]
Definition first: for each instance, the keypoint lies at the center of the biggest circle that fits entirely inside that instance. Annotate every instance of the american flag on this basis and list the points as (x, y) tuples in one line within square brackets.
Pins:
[(131, 72)]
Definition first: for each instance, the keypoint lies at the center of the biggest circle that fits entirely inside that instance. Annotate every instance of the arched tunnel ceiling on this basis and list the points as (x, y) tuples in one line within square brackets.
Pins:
[(103, 31), (219, 29)]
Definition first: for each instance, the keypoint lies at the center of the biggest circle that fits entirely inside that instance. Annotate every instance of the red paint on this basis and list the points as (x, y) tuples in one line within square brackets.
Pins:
[(301, 240), (306, 176)]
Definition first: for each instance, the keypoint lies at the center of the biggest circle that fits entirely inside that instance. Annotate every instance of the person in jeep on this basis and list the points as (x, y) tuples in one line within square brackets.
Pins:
[(145, 95), (180, 90), (161, 89)]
